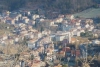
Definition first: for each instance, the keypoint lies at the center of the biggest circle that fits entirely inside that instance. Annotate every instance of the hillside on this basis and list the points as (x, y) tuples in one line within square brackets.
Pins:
[(89, 13), (63, 6)]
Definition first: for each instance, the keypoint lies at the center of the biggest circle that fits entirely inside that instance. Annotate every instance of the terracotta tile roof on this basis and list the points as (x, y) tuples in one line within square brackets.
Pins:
[(73, 39), (66, 49), (78, 53), (72, 51), (25, 53), (1, 59)]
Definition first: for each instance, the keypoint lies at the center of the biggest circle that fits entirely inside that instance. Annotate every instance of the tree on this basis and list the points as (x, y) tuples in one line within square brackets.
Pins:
[(42, 29), (87, 34), (82, 34), (65, 65), (64, 6), (17, 56), (32, 57), (24, 42)]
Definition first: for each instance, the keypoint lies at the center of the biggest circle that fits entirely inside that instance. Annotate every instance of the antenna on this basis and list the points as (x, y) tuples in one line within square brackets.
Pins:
[(85, 62)]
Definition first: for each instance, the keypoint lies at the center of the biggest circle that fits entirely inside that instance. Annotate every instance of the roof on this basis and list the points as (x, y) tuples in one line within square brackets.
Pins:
[(78, 52), (32, 40), (1, 59), (8, 18), (69, 15), (72, 51), (62, 52), (66, 49), (73, 39), (13, 15), (36, 61), (47, 20), (24, 53)]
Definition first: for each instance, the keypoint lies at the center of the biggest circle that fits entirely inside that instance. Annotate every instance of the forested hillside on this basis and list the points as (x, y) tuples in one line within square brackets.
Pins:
[(64, 6)]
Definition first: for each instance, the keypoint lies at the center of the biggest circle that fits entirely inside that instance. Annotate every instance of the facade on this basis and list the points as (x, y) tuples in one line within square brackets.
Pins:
[(63, 35), (31, 44)]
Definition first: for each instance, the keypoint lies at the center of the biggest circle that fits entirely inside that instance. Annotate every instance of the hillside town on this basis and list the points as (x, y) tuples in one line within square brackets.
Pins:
[(36, 41)]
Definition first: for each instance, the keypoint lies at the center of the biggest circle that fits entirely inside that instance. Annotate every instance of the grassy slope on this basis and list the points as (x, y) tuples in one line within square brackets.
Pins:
[(89, 13)]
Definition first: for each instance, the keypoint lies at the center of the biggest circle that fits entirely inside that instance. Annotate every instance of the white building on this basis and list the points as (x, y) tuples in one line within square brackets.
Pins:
[(76, 33), (87, 26), (58, 20), (31, 44), (26, 20), (78, 23), (60, 36), (70, 17), (4, 37), (34, 17), (96, 42)]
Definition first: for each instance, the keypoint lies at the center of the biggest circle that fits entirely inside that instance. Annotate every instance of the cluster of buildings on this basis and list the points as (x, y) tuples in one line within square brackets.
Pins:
[(46, 39)]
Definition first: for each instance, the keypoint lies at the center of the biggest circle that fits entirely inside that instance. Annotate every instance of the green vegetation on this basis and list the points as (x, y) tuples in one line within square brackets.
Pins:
[(66, 65), (17, 56), (32, 57), (89, 13), (64, 6), (5, 28), (87, 34), (97, 20), (24, 41), (11, 4)]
